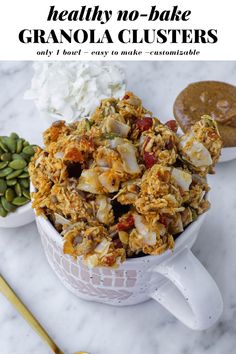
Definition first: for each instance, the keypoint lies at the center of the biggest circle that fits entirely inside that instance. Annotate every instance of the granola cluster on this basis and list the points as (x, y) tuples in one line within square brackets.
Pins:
[(122, 183)]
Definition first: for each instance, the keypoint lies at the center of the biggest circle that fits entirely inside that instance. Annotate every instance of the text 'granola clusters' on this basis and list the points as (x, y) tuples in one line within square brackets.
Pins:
[(122, 183)]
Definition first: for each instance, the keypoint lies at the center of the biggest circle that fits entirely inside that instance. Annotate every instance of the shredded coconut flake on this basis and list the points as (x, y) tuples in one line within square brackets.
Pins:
[(72, 90)]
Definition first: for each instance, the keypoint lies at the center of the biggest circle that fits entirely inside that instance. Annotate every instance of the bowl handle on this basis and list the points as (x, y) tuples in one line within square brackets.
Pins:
[(190, 293)]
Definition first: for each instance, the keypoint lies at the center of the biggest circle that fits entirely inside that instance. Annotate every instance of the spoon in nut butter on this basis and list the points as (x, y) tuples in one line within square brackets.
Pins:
[(8, 292)]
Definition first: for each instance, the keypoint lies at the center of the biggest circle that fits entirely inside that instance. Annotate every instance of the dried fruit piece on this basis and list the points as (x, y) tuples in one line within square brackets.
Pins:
[(149, 159), (144, 124), (172, 125), (125, 223)]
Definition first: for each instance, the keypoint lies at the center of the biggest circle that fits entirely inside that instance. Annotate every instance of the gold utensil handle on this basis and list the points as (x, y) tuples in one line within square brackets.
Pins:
[(20, 307)]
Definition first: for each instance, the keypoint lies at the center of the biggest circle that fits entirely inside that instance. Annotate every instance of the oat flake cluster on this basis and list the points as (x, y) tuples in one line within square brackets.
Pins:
[(122, 184)]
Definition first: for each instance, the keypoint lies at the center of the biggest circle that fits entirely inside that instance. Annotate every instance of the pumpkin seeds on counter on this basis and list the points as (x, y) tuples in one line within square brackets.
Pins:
[(15, 155)]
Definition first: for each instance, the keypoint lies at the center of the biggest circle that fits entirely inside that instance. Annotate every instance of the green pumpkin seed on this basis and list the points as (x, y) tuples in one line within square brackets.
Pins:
[(18, 201), (3, 146), (12, 182), (18, 164), (11, 144), (3, 186), (14, 174), (26, 194), (14, 135), (6, 156), (10, 194), (3, 212), (3, 164), (17, 157), (19, 145), (7, 205), (5, 172), (24, 175), (24, 183), (25, 143), (25, 156), (29, 150), (18, 190), (15, 154)]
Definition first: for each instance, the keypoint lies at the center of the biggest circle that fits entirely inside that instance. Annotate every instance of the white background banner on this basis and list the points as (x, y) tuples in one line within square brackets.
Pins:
[(172, 32)]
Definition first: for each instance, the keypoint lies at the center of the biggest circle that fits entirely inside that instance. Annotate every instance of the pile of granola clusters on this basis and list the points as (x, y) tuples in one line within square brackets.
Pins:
[(122, 184)]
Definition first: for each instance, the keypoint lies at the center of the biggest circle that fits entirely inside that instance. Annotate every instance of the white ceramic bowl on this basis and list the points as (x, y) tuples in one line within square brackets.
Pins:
[(228, 154), (21, 216), (177, 280)]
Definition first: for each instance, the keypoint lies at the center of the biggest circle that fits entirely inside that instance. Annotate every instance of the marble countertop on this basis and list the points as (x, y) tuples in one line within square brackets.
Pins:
[(99, 329)]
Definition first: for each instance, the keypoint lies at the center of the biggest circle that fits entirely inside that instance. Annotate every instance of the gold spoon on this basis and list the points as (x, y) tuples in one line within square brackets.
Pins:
[(22, 309)]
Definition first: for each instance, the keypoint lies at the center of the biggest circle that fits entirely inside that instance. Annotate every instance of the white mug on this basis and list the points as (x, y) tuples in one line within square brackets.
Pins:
[(176, 279)]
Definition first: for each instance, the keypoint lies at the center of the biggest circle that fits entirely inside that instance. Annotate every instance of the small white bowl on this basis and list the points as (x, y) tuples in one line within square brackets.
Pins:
[(228, 154), (21, 216)]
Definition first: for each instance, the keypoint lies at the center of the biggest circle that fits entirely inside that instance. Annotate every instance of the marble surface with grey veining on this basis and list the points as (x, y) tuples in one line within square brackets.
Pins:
[(99, 329)]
